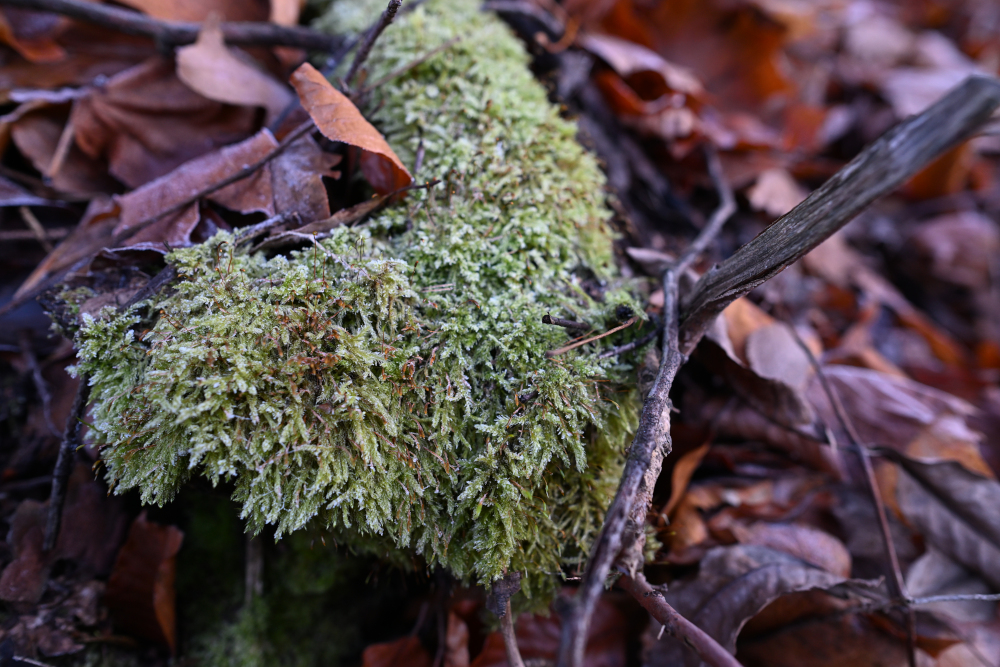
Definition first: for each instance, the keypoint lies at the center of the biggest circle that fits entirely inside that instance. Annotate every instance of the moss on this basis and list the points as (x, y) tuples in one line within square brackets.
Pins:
[(372, 383)]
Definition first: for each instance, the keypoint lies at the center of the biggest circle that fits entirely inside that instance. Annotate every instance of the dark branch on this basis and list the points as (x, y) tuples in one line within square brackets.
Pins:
[(64, 463), (891, 160), (709, 650), (567, 324), (366, 46), (179, 33)]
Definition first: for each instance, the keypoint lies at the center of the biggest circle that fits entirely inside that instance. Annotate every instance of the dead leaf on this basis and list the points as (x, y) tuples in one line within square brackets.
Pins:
[(733, 585), (953, 509), (146, 123), (285, 12), (959, 248), (140, 591), (32, 34), (225, 74), (936, 574), (681, 475), (776, 192), (198, 10), (814, 546), (12, 194), (404, 652), (339, 120), (24, 578), (628, 58)]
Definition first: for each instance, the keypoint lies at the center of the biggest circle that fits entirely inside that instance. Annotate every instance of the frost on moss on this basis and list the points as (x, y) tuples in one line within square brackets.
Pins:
[(373, 382)]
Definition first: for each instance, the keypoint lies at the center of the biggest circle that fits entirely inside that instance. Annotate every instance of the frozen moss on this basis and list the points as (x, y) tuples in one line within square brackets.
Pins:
[(373, 383)]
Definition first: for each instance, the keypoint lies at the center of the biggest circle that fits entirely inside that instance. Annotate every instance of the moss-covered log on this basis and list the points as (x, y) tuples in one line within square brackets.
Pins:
[(373, 382)]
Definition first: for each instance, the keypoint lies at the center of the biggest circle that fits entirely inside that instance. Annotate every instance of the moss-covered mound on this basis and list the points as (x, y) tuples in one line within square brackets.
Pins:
[(391, 382)]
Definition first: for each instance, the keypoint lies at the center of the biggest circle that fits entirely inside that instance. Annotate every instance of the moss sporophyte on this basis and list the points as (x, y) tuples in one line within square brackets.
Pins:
[(375, 383)]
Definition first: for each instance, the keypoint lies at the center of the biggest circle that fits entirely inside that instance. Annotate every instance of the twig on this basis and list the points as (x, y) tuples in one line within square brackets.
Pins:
[(898, 583), (726, 208), (964, 597), (709, 650), (125, 234), (416, 62), (628, 347), (152, 287), (880, 168), (36, 228), (42, 387), (366, 46), (64, 463), (179, 33), (29, 235), (573, 346), (622, 537), (650, 445), (509, 638), (567, 324)]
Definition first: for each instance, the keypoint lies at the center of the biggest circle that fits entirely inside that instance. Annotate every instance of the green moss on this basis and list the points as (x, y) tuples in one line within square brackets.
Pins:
[(371, 383)]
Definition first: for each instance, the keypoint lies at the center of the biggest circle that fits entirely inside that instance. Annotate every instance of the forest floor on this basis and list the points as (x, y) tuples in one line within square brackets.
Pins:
[(880, 345)]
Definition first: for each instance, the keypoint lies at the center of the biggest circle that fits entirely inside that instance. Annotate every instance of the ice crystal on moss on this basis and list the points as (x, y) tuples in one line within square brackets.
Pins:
[(374, 382)]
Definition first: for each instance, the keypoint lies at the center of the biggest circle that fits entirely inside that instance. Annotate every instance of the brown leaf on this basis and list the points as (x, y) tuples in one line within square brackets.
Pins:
[(339, 120), (285, 12), (229, 75), (32, 34), (955, 511), (145, 122), (37, 134), (681, 476), (733, 585), (404, 652), (198, 10), (776, 192), (958, 248), (814, 546), (140, 592), (12, 194), (628, 58), (24, 578)]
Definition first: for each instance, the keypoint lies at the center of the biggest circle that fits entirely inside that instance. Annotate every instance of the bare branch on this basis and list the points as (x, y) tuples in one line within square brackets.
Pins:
[(727, 206), (366, 46), (880, 168), (709, 650), (510, 639), (179, 33), (64, 463)]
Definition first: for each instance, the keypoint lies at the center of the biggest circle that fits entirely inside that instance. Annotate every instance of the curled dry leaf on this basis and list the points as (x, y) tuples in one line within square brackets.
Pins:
[(776, 192), (733, 585), (12, 194), (140, 591), (339, 120), (628, 58), (229, 75), (146, 122), (32, 34), (960, 248)]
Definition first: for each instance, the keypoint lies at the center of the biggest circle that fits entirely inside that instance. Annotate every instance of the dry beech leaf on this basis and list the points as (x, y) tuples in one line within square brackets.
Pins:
[(456, 652), (960, 248), (954, 510), (198, 10), (140, 591), (681, 476), (732, 586), (24, 578), (145, 122), (812, 545), (776, 192), (12, 194), (629, 58), (32, 34), (404, 652), (339, 120), (228, 75)]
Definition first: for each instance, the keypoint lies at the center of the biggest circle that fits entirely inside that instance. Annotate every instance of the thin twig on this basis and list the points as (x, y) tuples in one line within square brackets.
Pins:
[(628, 347), (880, 168), (898, 584), (64, 463), (573, 346), (547, 20), (125, 234), (41, 386), (366, 46), (416, 62), (36, 228), (963, 597), (650, 445), (566, 324), (726, 208), (709, 650), (179, 33), (509, 638)]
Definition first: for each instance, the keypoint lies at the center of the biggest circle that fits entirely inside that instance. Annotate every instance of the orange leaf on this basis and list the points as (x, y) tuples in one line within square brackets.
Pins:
[(339, 120), (405, 652)]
